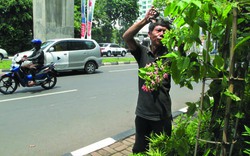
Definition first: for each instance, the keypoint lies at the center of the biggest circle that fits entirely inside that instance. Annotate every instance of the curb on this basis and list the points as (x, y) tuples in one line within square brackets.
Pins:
[(108, 141), (2, 71), (118, 63)]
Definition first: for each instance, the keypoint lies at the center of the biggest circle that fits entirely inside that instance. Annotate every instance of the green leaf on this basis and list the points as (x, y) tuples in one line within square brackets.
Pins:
[(239, 115), (202, 23), (170, 55), (175, 72), (171, 7), (242, 42), (226, 10), (142, 73), (206, 102), (207, 152), (247, 133), (218, 62), (224, 82), (184, 63), (191, 108), (197, 3), (231, 95)]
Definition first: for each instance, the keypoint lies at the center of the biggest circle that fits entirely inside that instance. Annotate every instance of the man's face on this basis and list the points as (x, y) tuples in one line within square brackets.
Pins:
[(156, 35), (36, 46)]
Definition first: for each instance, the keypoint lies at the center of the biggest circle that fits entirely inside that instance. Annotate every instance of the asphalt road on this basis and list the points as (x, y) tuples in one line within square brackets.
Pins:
[(80, 110)]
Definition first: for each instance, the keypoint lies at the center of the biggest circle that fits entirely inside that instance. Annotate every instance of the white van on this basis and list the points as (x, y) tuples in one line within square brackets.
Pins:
[(70, 54)]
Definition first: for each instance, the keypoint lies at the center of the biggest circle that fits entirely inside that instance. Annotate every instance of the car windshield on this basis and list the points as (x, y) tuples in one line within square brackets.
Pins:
[(46, 44)]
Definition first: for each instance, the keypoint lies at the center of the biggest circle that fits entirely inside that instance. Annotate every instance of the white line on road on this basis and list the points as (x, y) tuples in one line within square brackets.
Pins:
[(27, 97)]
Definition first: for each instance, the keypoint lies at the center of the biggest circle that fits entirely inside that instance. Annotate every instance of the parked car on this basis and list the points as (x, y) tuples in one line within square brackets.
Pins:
[(110, 49), (3, 54), (69, 54)]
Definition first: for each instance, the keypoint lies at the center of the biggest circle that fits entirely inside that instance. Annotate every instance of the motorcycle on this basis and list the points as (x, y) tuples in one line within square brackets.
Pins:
[(45, 77)]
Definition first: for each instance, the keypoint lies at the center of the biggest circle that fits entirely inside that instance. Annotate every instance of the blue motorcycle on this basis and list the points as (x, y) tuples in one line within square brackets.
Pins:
[(46, 77)]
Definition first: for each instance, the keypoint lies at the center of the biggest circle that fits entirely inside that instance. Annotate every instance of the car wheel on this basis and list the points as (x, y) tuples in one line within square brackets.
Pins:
[(90, 67), (123, 53), (109, 53), (1, 56)]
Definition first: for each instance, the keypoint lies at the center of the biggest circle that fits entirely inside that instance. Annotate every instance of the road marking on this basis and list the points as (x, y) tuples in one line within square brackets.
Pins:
[(122, 70), (40, 95), (93, 147)]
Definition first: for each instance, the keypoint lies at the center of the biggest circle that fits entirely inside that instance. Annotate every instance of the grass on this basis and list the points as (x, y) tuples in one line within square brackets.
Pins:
[(5, 64), (117, 59)]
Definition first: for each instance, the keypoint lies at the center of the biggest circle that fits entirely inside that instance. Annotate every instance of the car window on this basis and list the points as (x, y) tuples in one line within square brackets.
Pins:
[(90, 44), (46, 44), (61, 46), (80, 45), (76, 45), (105, 45)]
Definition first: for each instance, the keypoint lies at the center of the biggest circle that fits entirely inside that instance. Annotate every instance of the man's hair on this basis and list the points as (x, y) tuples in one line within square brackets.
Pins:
[(165, 22)]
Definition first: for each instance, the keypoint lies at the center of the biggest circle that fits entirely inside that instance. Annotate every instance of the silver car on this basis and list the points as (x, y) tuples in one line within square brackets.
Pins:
[(70, 54), (109, 49), (3, 54)]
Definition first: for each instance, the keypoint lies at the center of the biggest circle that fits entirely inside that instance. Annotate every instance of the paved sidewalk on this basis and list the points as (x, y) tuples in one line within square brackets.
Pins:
[(120, 148), (119, 145)]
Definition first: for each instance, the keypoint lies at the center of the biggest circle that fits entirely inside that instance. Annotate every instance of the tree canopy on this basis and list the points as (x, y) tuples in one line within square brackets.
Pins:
[(109, 15), (16, 26)]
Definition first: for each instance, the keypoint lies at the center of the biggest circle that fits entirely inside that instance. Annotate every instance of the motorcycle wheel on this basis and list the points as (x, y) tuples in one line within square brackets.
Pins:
[(8, 85), (50, 82)]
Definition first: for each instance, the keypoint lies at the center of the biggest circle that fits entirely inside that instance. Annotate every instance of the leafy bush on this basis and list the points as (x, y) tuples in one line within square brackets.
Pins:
[(224, 108)]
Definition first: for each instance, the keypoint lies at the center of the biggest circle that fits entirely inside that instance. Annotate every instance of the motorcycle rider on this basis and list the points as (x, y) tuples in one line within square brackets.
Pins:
[(37, 58)]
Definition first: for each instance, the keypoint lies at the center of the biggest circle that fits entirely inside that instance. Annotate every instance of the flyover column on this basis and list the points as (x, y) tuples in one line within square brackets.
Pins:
[(53, 19)]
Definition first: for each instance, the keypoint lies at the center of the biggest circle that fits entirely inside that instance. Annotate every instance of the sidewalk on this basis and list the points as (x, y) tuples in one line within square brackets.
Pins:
[(120, 148), (119, 145)]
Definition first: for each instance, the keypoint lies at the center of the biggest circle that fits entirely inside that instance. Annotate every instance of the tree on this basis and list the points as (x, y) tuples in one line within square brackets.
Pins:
[(16, 29), (109, 14)]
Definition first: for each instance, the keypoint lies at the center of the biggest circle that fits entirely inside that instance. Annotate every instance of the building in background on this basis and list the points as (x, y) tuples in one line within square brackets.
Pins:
[(142, 36), (144, 5)]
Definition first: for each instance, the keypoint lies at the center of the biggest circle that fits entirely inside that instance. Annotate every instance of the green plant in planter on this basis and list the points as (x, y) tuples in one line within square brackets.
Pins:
[(247, 133), (227, 99)]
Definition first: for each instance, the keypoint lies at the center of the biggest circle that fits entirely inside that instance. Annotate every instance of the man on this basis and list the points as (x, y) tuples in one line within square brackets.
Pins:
[(37, 58), (153, 111)]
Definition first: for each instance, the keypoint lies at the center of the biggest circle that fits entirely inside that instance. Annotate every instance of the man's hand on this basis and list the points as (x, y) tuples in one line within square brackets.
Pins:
[(151, 14), (24, 58)]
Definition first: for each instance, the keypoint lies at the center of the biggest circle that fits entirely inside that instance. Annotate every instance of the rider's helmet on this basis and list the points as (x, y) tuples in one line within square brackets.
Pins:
[(36, 43)]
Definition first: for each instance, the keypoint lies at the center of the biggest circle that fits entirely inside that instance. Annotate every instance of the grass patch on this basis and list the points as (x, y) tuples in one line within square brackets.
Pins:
[(5, 64), (117, 59)]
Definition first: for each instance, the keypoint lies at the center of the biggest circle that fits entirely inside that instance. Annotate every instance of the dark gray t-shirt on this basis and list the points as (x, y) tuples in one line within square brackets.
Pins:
[(154, 105)]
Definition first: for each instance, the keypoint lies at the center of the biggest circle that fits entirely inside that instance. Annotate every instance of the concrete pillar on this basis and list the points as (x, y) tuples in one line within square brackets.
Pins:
[(53, 19)]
